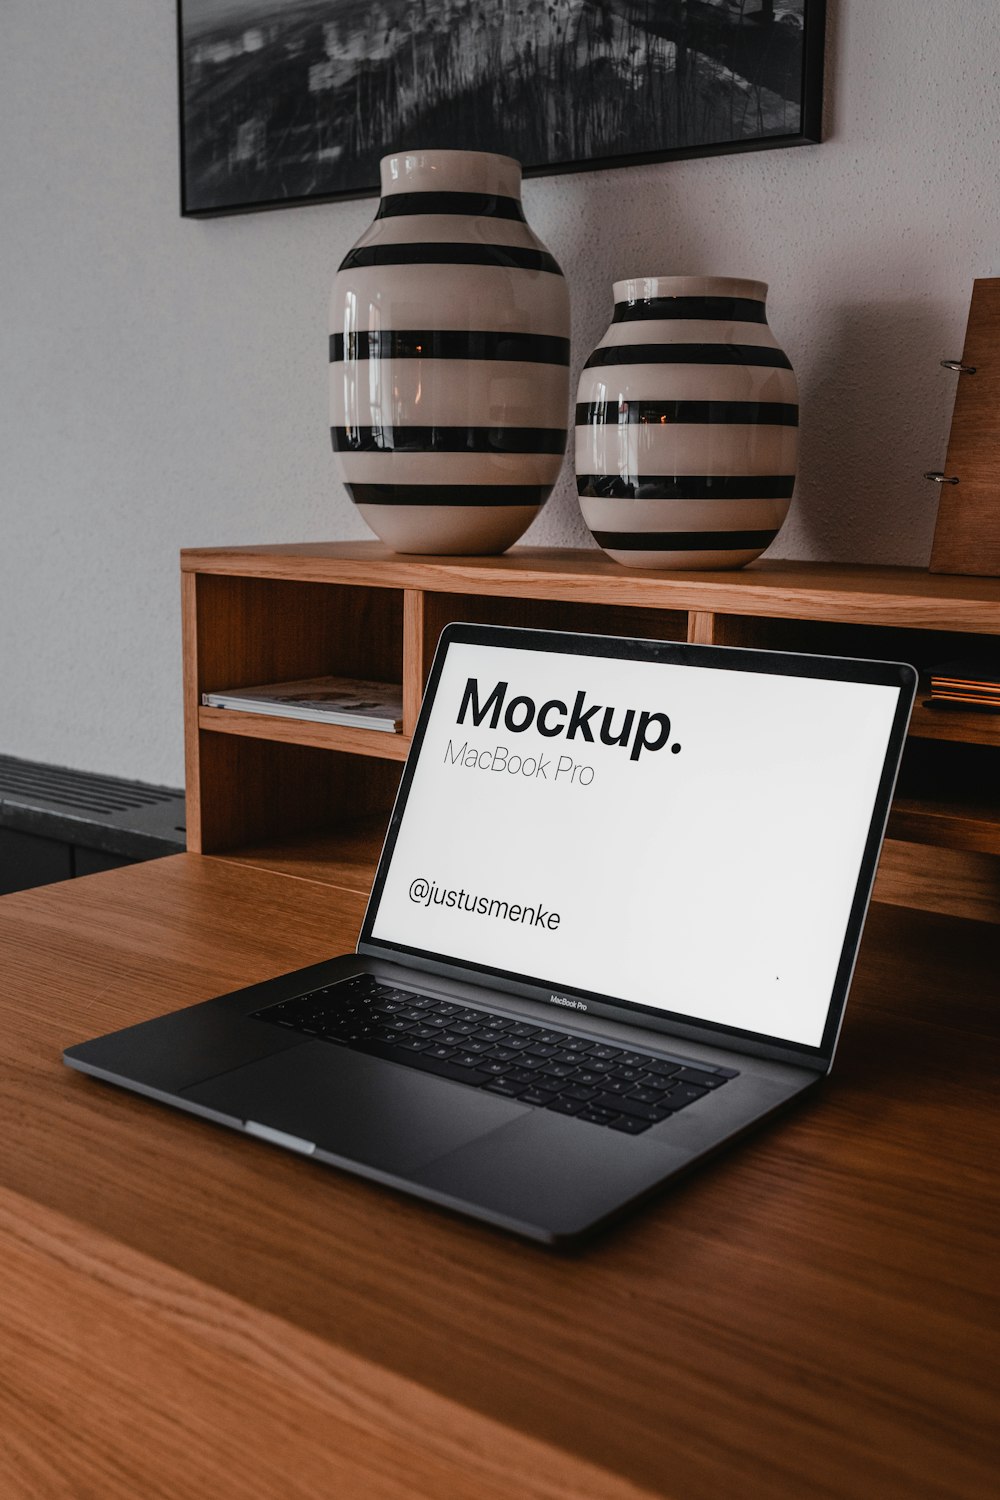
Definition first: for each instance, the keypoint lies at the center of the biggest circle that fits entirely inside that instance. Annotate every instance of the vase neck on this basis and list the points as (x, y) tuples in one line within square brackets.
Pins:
[(661, 290), (451, 172)]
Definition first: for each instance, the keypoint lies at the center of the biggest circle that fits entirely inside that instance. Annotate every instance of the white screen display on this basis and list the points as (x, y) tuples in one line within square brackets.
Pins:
[(682, 837)]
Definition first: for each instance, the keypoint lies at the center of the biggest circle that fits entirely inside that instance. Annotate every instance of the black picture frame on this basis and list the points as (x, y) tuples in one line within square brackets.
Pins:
[(233, 108)]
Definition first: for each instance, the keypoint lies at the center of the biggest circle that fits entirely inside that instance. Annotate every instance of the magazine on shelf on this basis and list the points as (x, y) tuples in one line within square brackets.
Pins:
[(321, 700), (967, 684)]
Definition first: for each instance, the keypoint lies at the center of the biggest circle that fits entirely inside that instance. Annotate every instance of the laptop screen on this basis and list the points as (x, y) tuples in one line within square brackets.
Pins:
[(683, 837)]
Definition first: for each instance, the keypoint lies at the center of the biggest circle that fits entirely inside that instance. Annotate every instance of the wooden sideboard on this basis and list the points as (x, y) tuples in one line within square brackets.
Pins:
[(314, 798)]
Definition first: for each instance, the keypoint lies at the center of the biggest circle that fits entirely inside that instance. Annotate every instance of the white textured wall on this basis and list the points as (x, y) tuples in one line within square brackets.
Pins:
[(163, 382)]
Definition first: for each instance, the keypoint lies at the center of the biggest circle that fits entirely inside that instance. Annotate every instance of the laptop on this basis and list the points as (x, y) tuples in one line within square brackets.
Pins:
[(613, 927)]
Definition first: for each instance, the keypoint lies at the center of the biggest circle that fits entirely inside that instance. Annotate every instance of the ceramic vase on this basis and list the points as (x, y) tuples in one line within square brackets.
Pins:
[(449, 358), (686, 425)]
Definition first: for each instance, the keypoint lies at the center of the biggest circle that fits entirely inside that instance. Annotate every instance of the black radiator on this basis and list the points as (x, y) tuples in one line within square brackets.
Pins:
[(56, 823)]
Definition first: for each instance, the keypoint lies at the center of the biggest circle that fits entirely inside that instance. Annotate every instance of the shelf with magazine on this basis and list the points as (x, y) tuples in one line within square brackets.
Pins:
[(333, 712), (313, 798), (255, 632)]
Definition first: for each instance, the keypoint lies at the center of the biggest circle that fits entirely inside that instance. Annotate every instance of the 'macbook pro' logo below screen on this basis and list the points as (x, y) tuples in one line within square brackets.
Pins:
[(683, 837)]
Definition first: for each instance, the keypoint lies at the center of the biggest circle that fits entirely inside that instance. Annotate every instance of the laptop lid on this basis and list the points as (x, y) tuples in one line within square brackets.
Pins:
[(680, 836)]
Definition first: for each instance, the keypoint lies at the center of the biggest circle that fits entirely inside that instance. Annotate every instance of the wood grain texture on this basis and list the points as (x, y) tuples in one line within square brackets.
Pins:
[(192, 700), (662, 624), (922, 646), (180, 1358), (956, 882), (701, 628), (825, 591), (258, 630), (949, 825), (963, 726), (239, 632), (304, 732), (948, 794), (967, 534), (813, 1314), (416, 661), (347, 857), (255, 790)]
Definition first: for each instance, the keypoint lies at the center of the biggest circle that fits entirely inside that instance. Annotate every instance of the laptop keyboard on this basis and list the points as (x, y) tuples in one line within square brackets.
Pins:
[(595, 1082)]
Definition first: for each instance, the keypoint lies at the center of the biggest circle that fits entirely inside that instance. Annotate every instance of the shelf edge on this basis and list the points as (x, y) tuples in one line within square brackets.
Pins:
[(371, 742)]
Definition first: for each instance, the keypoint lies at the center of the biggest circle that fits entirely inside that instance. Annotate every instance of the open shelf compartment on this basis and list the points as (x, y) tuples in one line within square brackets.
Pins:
[(253, 631), (585, 618), (259, 793)]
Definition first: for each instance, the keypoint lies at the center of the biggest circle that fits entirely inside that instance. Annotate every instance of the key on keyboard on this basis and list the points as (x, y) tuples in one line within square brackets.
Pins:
[(579, 1077)]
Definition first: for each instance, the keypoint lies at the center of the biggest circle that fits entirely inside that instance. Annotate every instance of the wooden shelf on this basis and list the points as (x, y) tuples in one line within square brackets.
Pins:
[(961, 725), (809, 591), (287, 795), (946, 824), (304, 732)]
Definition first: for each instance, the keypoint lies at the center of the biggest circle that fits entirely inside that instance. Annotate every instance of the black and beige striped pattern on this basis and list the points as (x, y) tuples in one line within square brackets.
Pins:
[(686, 426), (449, 358)]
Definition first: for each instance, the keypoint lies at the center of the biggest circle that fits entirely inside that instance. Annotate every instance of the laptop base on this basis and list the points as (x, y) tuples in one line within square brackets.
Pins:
[(547, 1177)]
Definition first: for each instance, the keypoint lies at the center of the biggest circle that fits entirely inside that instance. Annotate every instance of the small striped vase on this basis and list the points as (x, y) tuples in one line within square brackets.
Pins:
[(686, 426), (449, 358)]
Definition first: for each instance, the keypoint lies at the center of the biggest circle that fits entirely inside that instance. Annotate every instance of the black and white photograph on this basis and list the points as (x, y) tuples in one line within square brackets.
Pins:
[(290, 101)]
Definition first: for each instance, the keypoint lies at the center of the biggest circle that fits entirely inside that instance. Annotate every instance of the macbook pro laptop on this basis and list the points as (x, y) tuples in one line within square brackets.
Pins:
[(613, 926)]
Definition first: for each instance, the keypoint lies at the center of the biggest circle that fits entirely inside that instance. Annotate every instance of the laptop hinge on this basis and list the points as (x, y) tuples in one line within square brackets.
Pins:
[(596, 1010)]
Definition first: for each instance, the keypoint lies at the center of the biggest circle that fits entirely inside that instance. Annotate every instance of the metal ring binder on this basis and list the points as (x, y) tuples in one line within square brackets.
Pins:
[(956, 364), (940, 478)]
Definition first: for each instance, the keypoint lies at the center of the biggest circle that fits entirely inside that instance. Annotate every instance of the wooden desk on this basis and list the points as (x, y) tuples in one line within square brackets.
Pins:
[(187, 1313)]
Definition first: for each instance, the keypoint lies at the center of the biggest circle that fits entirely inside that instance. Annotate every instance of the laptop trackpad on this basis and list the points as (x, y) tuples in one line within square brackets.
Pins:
[(372, 1112)]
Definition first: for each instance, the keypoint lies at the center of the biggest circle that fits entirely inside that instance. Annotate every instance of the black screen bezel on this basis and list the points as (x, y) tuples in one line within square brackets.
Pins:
[(790, 664)]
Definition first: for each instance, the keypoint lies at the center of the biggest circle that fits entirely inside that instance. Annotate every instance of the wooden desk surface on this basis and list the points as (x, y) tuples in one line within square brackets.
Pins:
[(186, 1312)]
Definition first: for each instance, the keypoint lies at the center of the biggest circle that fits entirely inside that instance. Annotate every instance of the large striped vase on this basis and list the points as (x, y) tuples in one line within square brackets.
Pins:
[(686, 425), (449, 358)]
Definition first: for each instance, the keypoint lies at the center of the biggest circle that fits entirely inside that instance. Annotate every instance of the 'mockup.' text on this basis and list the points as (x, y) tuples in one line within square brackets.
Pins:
[(630, 728)]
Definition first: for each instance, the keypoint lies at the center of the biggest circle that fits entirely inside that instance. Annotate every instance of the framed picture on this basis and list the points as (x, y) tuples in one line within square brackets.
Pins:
[(295, 101)]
